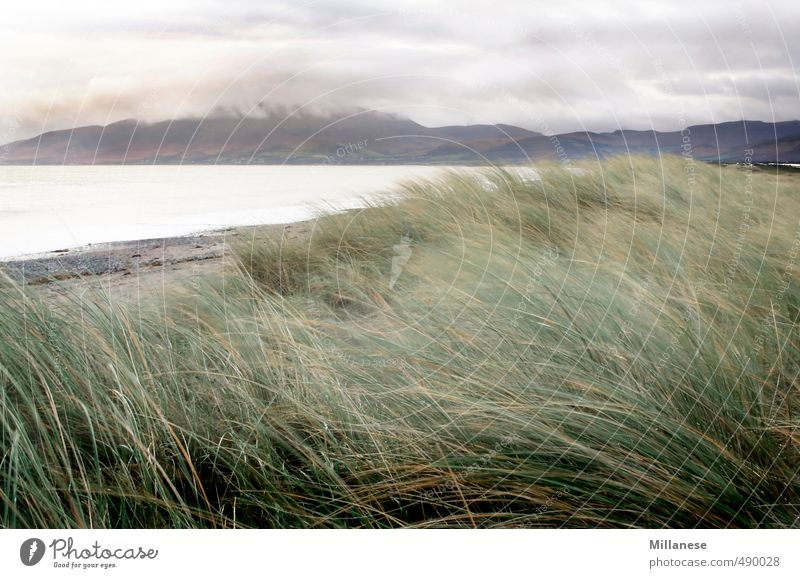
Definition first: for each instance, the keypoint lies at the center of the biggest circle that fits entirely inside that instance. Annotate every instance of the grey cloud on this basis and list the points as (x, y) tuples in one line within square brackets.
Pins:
[(575, 64)]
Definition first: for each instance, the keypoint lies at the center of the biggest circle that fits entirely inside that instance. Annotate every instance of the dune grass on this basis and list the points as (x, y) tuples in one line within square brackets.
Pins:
[(610, 347)]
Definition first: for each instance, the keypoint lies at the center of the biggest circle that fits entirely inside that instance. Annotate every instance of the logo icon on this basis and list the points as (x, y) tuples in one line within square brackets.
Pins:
[(402, 253), (31, 552)]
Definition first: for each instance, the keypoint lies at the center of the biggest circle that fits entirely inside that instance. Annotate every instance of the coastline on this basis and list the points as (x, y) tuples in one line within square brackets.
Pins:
[(140, 264)]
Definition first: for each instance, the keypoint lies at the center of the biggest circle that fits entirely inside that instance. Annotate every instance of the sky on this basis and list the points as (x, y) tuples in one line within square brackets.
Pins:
[(554, 66)]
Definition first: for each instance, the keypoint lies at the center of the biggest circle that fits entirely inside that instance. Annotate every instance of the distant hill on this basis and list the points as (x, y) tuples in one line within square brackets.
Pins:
[(370, 137)]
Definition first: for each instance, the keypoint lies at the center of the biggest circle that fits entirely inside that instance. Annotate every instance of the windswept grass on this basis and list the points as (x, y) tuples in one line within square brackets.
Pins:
[(611, 347)]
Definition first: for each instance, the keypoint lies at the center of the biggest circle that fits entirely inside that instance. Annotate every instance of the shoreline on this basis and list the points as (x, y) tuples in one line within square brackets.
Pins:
[(139, 262), (113, 257)]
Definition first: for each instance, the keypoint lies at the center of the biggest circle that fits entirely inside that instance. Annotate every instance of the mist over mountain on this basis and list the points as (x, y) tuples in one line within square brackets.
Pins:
[(371, 137)]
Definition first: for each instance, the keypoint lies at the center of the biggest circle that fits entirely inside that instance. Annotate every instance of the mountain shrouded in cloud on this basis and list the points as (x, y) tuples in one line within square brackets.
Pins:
[(551, 68), (369, 137)]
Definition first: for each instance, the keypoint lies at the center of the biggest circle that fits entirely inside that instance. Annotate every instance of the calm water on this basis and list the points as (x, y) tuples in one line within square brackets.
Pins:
[(48, 208)]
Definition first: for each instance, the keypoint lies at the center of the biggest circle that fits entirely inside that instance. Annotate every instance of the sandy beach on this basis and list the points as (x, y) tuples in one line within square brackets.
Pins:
[(132, 268)]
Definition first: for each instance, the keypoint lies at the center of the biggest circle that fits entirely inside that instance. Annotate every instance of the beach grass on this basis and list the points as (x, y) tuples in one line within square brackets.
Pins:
[(609, 345)]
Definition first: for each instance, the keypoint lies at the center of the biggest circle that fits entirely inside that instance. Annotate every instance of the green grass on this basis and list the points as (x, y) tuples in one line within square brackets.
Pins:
[(612, 348)]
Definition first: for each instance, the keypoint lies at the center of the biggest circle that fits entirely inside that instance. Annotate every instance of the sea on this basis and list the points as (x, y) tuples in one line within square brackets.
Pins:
[(49, 208)]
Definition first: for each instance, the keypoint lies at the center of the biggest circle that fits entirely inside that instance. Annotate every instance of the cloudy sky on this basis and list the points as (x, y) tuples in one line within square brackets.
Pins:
[(551, 66)]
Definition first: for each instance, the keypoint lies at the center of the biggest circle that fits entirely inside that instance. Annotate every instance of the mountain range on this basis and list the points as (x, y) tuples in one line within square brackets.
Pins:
[(371, 137)]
